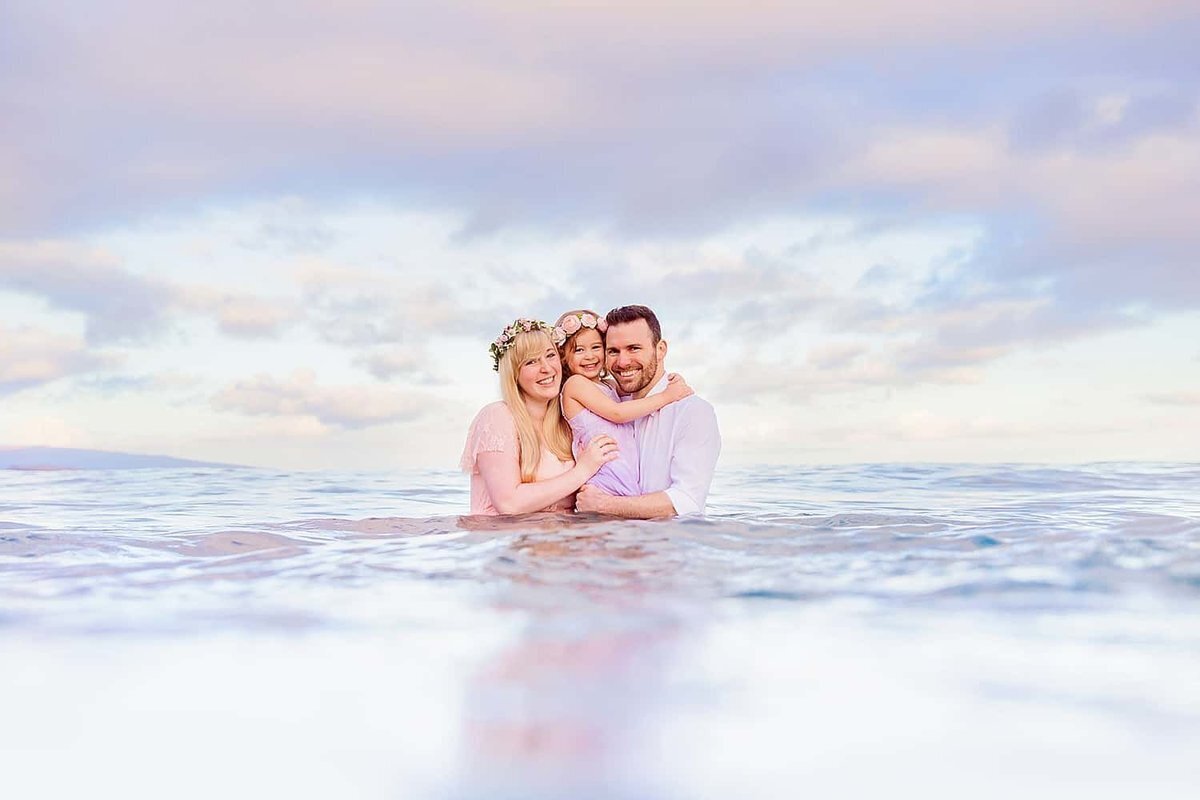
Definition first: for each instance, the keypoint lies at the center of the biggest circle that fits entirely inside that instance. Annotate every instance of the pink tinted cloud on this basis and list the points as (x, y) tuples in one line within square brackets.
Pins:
[(31, 357), (653, 118), (299, 395), (241, 316)]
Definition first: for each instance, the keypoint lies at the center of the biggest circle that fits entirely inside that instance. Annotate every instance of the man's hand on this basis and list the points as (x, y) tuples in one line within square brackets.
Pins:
[(591, 500)]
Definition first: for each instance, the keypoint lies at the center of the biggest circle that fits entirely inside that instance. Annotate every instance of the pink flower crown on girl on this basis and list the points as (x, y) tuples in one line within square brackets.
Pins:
[(509, 335), (571, 324)]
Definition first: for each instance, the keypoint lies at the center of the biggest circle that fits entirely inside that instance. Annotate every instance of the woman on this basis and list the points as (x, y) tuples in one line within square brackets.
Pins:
[(519, 449)]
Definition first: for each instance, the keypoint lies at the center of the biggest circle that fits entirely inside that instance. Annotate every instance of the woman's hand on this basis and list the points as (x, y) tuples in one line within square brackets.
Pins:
[(599, 451), (677, 388)]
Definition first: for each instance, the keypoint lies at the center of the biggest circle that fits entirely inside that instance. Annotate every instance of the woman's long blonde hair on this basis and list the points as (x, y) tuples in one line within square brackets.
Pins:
[(555, 430)]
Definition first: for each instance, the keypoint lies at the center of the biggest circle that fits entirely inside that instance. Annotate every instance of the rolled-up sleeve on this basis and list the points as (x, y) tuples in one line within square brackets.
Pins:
[(694, 459)]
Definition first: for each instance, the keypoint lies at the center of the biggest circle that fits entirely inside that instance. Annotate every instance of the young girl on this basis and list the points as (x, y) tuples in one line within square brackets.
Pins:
[(592, 406)]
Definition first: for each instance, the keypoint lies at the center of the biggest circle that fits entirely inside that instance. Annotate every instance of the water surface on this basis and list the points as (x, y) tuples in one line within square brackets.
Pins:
[(964, 629)]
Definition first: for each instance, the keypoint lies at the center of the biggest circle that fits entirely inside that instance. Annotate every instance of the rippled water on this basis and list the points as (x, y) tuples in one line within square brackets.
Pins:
[(940, 630)]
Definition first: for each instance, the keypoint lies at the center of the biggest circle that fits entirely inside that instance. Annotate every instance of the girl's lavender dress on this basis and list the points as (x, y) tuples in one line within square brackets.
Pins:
[(622, 476)]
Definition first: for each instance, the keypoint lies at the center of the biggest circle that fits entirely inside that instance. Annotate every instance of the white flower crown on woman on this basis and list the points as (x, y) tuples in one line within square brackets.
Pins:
[(509, 335), (571, 324)]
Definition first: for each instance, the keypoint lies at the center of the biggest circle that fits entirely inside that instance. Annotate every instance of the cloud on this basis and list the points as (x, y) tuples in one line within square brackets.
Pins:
[(389, 364), (240, 316), (1066, 134), (751, 293), (1071, 119), (761, 381), (654, 116), (835, 355), (1107, 228), (950, 330), (117, 304), (292, 225), (896, 347), (888, 326), (251, 318), (31, 357), (358, 307), (299, 396), (413, 364)]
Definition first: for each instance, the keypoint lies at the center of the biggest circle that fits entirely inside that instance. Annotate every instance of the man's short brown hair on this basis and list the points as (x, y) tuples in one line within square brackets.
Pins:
[(626, 314)]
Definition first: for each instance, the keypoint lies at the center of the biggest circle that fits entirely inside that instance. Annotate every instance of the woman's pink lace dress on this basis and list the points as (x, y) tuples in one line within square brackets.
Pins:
[(495, 431)]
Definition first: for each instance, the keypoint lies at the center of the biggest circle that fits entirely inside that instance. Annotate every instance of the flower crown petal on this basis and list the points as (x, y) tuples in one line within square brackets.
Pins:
[(508, 337)]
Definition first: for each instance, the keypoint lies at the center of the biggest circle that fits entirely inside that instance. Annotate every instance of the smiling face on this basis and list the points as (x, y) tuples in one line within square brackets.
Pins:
[(584, 354), (634, 359), (539, 373)]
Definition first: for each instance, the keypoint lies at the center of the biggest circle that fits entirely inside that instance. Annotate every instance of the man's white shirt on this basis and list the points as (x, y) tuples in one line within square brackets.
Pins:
[(678, 447)]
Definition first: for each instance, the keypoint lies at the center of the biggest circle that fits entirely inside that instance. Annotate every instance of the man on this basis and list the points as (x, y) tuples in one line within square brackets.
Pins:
[(677, 445)]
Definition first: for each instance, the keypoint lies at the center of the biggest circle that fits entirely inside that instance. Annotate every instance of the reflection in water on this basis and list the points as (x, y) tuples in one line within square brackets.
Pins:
[(557, 711)]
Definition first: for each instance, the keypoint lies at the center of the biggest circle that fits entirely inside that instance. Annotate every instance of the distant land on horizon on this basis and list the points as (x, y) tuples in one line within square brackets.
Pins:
[(53, 458)]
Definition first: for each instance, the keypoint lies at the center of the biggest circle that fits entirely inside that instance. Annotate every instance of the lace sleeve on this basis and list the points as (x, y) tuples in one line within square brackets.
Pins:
[(493, 431)]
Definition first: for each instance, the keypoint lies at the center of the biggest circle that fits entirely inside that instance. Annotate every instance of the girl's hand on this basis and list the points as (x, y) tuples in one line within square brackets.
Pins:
[(677, 388), (599, 451)]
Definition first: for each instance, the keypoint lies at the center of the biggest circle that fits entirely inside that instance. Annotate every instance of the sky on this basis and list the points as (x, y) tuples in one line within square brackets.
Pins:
[(284, 234)]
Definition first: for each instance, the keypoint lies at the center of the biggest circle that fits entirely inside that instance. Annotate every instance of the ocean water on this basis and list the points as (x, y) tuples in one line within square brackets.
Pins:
[(934, 630)]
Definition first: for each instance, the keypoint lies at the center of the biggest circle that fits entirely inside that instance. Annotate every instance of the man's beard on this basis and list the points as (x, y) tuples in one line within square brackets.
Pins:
[(649, 370)]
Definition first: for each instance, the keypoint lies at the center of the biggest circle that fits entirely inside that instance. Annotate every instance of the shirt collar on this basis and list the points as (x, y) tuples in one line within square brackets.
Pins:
[(661, 386)]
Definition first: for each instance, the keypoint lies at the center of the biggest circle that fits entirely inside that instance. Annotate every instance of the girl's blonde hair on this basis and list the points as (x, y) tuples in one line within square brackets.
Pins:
[(555, 430), (569, 342)]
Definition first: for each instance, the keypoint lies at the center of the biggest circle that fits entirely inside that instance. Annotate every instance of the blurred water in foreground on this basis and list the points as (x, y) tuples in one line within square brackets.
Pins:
[(946, 631)]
